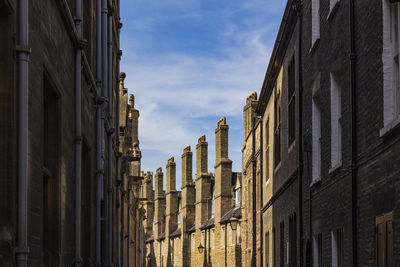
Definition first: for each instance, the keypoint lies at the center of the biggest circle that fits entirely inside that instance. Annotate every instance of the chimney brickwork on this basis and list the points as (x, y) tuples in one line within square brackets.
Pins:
[(203, 182), (249, 111), (171, 198), (223, 171), (149, 203), (188, 190), (159, 204)]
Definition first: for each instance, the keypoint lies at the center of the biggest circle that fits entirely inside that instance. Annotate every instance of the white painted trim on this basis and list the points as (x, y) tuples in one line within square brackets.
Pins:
[(333, 5), (315, 23), (336, 127), (316, 141), (390, 127)]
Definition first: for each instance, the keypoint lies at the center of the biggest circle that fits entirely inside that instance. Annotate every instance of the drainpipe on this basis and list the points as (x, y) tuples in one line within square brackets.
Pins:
[(78, 130), (22, 51), (122, 234), (353, 94), (261, 193), (118, 160), (254, 211), (109, 139), (129, 229), (104, 58), (99, 134), (298, 8), (226, 244), (120, 84)]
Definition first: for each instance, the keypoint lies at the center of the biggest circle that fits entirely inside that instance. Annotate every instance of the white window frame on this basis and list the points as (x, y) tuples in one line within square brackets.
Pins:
[(236, 194), (316, 141), (193, 241), (315, 23), (212, 237), (391, 69), (223, 229), (336, 126), (316, 250), (337, 249), (333, 4)]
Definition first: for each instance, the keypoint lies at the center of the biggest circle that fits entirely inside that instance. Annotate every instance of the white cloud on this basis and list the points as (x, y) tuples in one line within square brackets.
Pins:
[(181, 96)]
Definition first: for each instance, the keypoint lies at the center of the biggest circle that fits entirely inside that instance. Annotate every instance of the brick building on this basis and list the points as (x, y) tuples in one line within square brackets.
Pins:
[(351, 111), (330, 163), (60, 137)]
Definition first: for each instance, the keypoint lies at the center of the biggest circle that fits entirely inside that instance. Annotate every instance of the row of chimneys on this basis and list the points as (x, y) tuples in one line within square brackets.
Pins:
[(194, 195)]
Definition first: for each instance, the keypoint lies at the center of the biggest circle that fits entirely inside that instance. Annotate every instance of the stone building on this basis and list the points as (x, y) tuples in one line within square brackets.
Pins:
[(62, 147), (251, 169), (131, 194), (199, 225)]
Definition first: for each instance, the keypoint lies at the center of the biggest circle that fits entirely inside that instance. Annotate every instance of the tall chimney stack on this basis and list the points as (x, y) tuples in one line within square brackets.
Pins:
[(203, 182), (223, 171)]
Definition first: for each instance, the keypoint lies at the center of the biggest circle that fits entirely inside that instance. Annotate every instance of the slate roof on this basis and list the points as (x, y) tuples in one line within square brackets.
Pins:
[(192, 229), (233, 212), (176, 233), (208, 224), (150, 239)]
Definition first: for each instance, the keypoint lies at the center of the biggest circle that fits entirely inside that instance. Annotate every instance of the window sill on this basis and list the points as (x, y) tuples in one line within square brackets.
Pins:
[(277, 168), (332, 12), (335, 168), (390, 127), (315, 181), (291, 146), (314, 45)]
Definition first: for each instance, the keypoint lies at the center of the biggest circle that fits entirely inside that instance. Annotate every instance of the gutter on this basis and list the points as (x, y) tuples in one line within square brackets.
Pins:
[(22, 55)]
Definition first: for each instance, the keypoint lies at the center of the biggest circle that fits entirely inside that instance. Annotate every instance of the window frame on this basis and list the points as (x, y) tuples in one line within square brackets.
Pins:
[(316, 141), (391, 67), (267, 152), (277, 127), (336, 123), (385, 220), (315, 24), (291, 72)]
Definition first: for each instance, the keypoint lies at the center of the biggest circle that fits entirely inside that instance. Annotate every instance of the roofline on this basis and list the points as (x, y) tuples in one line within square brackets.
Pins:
[(281, 43)]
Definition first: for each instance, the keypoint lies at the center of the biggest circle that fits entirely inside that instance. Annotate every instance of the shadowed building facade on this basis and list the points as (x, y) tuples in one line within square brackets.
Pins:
[(62, 144)]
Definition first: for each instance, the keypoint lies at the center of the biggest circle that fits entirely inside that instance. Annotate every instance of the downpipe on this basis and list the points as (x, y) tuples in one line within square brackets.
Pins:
[(109, 141), (22, 54), (78, 131), (99, 134), (298, 8), (122, 234), (104, 60), (354, 145), (254, 209), (128, 241)]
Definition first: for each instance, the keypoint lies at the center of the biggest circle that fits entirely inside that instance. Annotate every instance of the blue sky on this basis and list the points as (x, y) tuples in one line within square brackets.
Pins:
[(191, 62)]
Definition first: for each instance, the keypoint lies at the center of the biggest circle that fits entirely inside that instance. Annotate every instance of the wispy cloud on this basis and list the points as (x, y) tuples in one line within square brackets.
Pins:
[(182, 90)]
